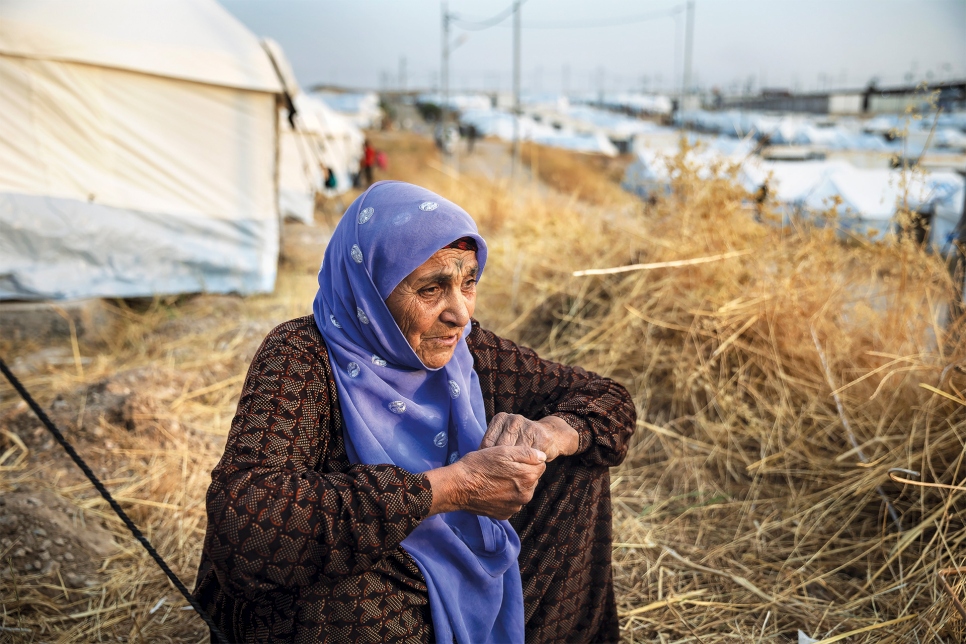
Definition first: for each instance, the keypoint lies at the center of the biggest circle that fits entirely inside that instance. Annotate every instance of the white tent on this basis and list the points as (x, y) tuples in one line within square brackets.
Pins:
[(946, 201), (788, 182), (499, 123), (342, 143), (361, 109), (311, 137), (299, 174), (865, 200), (651, 175), (639, 103), (137, 150), (322, 138), (788, 129)]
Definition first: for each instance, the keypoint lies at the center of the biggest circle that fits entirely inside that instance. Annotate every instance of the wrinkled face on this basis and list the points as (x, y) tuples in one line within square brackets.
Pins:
[(434, 304)]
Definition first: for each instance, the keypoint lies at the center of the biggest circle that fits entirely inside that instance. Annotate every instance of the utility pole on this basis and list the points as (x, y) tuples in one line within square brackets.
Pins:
[(515, 157), (688, 48), (444, 69), (402, 73), (957, 307)]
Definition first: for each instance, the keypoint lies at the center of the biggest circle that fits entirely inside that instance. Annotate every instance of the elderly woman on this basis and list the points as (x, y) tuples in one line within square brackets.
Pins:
[(397, 473)]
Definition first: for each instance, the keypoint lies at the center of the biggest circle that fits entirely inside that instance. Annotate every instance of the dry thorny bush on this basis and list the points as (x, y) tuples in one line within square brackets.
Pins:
[(744, 510)]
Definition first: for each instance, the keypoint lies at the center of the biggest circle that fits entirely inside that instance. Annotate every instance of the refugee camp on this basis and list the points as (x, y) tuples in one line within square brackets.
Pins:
[(487, 322)]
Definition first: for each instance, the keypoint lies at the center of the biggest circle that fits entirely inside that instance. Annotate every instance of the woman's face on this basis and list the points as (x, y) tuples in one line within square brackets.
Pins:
[(434, 304)]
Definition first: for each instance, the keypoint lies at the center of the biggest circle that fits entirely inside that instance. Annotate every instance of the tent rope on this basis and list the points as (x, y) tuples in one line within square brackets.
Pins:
[(216, 633)]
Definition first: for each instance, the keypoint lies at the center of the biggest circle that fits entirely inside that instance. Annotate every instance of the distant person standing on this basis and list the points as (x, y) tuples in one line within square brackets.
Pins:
[(761, 196), (330, 181), (471, 134), (366, 164)]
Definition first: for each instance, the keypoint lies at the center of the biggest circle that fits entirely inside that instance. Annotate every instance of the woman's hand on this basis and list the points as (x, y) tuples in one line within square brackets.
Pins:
[(495, 482), (552, 435)]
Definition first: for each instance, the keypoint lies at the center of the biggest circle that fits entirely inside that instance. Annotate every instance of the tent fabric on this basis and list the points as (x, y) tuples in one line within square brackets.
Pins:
[(194, 40), (97, 151), (361, 109), (282, 66), (788, 182), (135, 142), (48, 254), (869, 194), (866, 200)]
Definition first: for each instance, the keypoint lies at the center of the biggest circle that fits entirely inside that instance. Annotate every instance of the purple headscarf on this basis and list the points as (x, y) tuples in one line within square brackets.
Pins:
[(398, 411)]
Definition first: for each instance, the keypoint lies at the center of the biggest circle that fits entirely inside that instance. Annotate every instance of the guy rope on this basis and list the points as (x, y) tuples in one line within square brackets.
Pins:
[(216, 633)]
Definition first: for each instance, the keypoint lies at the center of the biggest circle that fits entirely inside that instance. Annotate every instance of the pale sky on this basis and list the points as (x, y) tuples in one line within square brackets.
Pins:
[(804, 44)]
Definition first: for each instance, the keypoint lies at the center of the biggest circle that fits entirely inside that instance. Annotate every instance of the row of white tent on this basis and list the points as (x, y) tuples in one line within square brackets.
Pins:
[(500, 123), (587, 119), (634, 102), (551, 119), (864, 201), (883, 123), (840, 134), (145, 148), (554, 121)]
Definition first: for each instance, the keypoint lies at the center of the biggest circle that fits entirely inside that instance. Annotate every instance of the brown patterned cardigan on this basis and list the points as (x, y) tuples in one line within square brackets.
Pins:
[(301, 546)]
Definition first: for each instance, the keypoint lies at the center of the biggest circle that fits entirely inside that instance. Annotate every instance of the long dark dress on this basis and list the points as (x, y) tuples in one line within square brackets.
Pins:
[(301, 546)]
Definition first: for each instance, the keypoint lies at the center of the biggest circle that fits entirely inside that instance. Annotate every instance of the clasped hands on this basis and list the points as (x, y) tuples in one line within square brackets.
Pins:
[(499, 478)]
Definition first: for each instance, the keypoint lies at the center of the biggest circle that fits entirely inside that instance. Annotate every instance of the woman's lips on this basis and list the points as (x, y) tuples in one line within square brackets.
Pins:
[(444, 340)]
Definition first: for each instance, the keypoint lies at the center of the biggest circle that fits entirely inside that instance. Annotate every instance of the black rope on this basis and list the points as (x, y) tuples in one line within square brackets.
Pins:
[(215, 631)]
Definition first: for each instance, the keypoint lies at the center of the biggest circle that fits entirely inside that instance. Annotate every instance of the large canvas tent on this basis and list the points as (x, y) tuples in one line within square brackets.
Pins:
[(138, 144)]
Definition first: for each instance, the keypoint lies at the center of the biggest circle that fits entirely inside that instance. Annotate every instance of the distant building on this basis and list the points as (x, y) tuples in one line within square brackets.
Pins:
[(871, 100)]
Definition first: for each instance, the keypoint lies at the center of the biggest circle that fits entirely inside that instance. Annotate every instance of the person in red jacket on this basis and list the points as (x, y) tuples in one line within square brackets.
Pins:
[(368, 162)]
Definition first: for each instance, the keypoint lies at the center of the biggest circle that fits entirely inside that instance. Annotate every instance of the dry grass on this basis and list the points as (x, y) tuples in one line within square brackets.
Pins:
[(742, 513), (593, 178)]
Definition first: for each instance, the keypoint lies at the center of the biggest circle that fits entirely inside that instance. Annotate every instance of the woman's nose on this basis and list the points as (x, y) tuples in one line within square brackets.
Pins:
[(456, 312)]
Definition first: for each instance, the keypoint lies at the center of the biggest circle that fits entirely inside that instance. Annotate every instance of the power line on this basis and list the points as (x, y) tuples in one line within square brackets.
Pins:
[(606, 22), (485, 24)]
